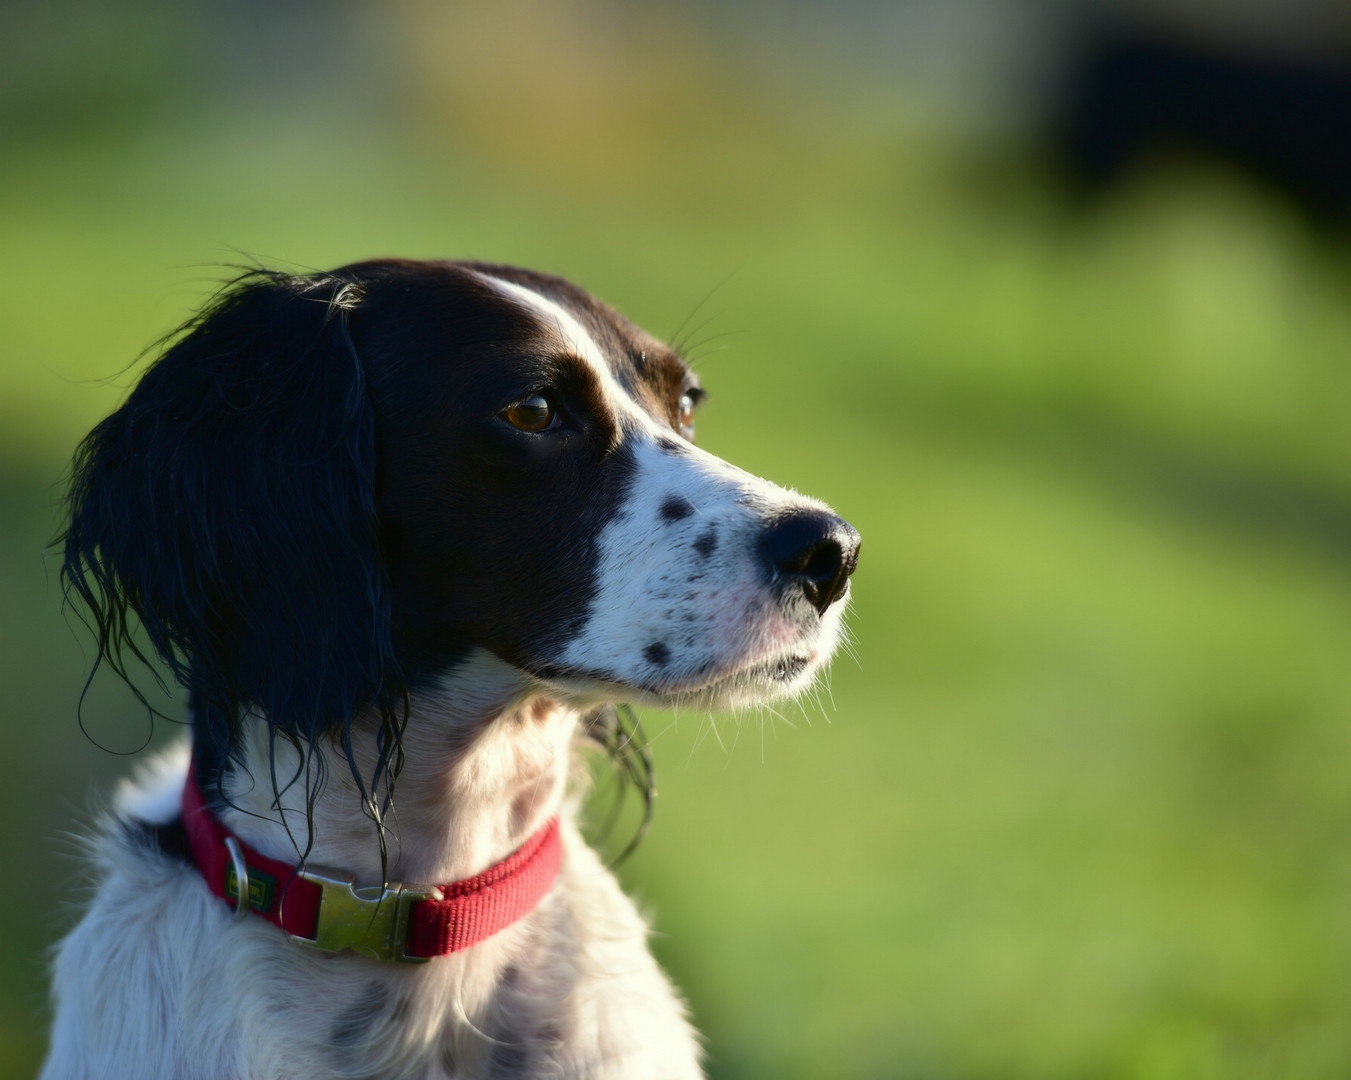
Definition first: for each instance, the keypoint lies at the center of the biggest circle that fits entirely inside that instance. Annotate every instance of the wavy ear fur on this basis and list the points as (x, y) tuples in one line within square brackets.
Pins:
[(229, 505)]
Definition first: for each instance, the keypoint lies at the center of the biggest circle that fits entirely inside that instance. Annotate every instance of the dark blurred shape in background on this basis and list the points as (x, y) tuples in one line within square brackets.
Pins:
[(1143, 96)]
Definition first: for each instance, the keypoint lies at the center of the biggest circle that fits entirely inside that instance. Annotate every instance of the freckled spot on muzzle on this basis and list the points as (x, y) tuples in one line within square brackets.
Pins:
[(676, 508), (657, 654)]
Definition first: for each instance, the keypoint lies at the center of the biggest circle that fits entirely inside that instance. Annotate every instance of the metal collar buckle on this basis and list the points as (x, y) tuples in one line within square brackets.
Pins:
[(369, 919)]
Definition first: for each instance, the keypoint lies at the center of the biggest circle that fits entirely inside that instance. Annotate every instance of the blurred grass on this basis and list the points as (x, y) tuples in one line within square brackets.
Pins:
[(1080, 808)]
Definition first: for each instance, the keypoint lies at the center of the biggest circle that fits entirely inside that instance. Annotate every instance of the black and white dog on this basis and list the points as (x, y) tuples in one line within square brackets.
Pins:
[(406, 532)]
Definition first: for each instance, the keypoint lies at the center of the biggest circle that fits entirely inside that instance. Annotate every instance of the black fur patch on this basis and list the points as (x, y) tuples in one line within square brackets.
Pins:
[(706, 543), (658, 653), (676, 508)]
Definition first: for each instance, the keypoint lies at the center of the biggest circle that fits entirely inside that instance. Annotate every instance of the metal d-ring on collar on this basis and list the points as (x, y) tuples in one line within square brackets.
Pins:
[(241, 878)]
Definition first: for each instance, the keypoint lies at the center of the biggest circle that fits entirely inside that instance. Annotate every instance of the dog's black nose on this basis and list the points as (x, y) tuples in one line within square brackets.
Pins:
[(816, 550)]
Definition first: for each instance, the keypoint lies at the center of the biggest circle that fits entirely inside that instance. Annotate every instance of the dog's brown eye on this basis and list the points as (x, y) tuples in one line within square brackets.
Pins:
[(685, 416), (535, 413)]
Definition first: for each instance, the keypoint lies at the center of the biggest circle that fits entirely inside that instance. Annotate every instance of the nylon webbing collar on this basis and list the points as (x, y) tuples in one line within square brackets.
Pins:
[(324, 908)]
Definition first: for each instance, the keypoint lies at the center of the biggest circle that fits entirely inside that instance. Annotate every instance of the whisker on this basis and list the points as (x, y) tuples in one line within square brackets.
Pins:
[(716, 733), (679, 336)]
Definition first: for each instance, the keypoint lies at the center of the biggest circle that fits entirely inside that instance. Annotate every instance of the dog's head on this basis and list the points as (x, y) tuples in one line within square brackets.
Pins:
[(331, 490)]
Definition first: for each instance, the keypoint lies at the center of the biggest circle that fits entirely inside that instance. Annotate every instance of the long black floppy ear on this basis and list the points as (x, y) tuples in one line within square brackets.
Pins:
[(230, 505)]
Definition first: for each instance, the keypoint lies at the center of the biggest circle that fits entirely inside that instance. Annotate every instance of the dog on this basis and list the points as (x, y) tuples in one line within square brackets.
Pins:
[(406, 533)]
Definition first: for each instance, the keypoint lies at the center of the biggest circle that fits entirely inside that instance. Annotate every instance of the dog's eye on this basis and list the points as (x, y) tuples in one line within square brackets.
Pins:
[(535, 413), (685, 415)]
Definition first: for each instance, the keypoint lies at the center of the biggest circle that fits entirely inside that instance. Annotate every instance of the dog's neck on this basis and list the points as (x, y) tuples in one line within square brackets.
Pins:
[(485, 764)]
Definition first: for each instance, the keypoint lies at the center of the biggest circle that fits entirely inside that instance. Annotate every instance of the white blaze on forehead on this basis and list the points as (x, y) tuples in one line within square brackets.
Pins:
[(576, 338)]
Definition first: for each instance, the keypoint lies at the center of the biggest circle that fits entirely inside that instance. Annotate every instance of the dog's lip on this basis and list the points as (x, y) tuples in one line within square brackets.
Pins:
[(778, 667), (774, 667), (784, 669)]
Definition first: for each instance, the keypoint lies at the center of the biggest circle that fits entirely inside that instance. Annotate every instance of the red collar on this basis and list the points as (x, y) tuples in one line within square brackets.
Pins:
[(326, 909)]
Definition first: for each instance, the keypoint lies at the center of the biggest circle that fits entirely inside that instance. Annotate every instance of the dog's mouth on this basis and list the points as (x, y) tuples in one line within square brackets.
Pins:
[(758, 680), (710, 686), (783, 670)]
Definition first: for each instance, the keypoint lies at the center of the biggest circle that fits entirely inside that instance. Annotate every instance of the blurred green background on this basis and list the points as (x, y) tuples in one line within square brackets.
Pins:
[(1080, 808)]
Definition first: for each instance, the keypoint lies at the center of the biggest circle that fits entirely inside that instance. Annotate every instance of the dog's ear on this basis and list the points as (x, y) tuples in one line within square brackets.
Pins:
[(230, 505)]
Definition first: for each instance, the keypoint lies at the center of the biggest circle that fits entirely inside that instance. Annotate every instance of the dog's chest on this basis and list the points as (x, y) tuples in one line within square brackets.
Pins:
[(454, 1019)]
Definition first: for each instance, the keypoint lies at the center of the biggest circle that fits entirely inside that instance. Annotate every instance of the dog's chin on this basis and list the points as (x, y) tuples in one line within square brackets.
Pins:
[(761, 682), (753, 681), (750, 681)]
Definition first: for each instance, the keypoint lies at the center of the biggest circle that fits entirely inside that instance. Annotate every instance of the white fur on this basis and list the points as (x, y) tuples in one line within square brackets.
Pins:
[(218, 999)]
